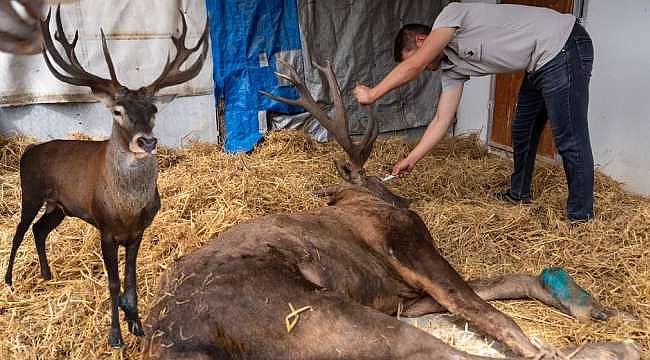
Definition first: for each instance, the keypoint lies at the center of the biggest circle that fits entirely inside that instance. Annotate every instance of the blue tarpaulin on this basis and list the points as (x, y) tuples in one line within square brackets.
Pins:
[(247, 35)]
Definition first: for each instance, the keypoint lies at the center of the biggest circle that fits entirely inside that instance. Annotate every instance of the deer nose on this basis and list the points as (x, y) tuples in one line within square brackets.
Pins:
[(147, 144)]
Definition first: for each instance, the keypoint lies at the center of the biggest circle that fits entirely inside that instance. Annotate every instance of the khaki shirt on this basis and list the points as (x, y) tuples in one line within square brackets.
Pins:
[(499, 38)]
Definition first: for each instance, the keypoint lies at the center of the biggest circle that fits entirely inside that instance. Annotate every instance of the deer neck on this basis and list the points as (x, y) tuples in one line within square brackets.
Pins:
[(131, 179)]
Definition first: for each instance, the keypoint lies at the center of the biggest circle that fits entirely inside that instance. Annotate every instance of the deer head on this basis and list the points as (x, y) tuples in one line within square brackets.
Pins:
[(19, 30), (133, 110), (351, 171)]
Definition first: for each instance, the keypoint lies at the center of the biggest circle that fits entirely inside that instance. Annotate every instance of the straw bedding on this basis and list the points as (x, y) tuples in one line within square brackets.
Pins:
[(205, 191)]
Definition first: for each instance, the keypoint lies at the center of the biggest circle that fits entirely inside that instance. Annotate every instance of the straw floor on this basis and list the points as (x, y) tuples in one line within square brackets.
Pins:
[(205, 191)]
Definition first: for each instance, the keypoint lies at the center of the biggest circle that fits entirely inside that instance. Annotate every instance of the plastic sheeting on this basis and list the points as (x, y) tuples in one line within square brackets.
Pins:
[(247, 38), (357, 38), (138, 35)]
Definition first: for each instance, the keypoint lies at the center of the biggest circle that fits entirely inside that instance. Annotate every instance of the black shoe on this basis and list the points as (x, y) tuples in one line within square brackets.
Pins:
[(507, 196), (576, 222)]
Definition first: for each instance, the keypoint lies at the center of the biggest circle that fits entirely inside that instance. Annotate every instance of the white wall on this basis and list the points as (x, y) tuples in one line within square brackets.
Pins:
[(619, 105), (474, 110), (185, 118)]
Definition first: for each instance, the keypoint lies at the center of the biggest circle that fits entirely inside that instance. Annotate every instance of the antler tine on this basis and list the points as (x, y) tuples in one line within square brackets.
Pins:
[(107, 57), (172, 74), (341, 121), (367, 142), (78, 76), (69, 47), (335, 93), (294, 79)]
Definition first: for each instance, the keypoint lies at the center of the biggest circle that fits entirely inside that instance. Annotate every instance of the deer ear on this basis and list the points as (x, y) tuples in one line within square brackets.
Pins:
[(105, 98)]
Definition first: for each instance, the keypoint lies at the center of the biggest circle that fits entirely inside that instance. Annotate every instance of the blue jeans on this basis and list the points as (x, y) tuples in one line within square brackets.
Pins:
[(558, 91)]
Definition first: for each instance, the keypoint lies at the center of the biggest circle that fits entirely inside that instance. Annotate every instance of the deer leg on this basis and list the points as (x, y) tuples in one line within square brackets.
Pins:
[(42, 228), (28, 213), (383, 337), (423, 267), (129, 299), (109, 253), (575, 301), (553, 287), (354, 331)]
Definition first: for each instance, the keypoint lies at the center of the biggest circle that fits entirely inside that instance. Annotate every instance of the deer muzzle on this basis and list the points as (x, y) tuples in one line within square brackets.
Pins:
[(147, 143)]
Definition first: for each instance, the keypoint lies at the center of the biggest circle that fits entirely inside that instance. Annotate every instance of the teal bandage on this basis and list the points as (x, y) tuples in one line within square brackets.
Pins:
[(562, 287)]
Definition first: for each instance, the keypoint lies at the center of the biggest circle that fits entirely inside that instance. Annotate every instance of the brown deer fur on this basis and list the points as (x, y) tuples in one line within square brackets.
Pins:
[(354, 262), (110, 184)]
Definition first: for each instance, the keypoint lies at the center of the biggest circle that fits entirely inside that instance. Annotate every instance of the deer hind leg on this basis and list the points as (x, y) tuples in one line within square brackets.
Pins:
[(42, 228), (29, 209), (426, 269), (354, 331), (418, 262), (128, 301), (554, 287)]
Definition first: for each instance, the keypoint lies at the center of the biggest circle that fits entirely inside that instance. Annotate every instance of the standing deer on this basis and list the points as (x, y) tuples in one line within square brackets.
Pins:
[(110, 184), (20, 33), (343, 269)]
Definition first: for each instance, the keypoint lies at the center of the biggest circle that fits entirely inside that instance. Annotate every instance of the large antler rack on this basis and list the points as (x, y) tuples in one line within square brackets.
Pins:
[(74, 73), (338, 127)]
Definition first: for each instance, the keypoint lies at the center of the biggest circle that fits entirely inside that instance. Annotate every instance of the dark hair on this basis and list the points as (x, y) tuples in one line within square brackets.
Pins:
[(405, 39)]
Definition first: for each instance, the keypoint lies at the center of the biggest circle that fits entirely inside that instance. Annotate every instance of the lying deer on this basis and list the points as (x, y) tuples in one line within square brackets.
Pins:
[(337, 273), (20, 33), (110, 184)]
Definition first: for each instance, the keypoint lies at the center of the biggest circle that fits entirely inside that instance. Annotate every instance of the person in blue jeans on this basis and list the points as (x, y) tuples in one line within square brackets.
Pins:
[(477, 39)]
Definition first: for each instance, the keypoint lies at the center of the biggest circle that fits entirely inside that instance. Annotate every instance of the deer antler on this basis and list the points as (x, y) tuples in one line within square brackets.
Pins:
[(172, 74), (77, 75), (338, 127)]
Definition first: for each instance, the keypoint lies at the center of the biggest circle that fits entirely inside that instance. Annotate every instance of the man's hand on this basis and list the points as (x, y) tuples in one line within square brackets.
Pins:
[(403, 167), (363, 94)]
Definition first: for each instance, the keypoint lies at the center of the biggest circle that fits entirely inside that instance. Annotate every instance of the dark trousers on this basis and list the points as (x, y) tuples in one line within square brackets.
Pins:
[(558, 91)]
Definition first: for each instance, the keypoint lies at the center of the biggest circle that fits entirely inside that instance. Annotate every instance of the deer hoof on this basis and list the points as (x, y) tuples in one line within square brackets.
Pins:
[(46, 275), (115, 339), (135, 327), (573, 299)]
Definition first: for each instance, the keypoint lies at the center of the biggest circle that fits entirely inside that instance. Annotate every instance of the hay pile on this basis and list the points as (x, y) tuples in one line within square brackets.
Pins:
[(205, 192)]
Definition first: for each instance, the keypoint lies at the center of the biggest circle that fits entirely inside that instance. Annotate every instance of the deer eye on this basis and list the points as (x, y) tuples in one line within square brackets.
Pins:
[(117, 113)]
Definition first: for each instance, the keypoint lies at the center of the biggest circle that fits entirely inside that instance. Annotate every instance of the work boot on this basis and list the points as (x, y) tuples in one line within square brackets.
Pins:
[(507, 196)]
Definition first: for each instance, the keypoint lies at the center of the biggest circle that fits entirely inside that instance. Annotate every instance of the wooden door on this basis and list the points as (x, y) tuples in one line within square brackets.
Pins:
[(507, 88)]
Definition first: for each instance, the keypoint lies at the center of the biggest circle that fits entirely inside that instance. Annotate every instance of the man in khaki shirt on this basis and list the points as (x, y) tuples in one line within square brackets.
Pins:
[(477, 39)]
